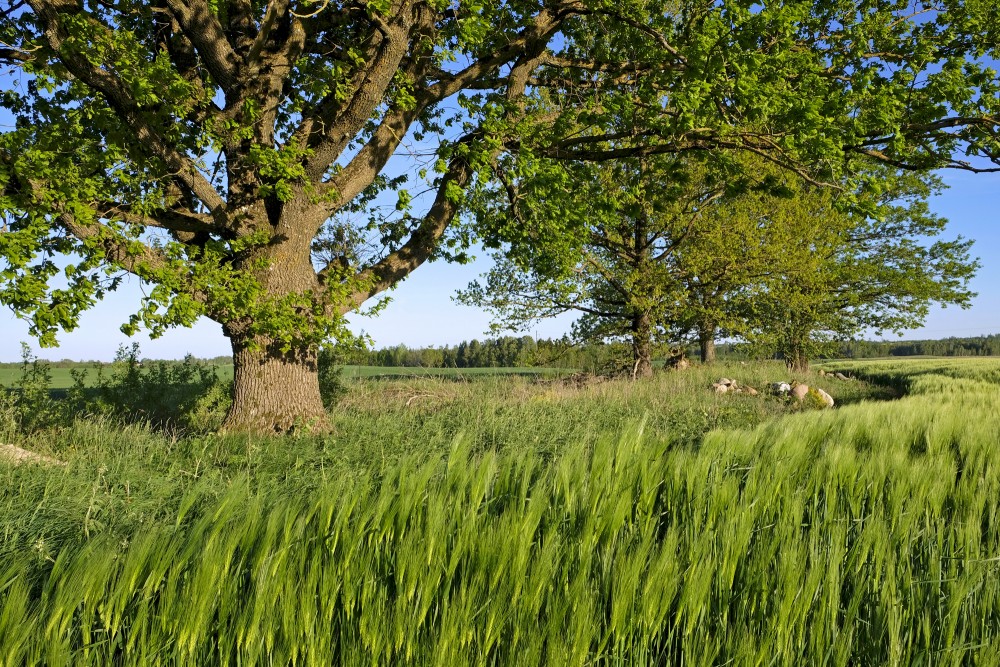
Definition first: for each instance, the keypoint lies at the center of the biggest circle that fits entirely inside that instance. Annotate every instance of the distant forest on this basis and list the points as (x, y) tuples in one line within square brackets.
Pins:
[(525, 351), (510, 351)]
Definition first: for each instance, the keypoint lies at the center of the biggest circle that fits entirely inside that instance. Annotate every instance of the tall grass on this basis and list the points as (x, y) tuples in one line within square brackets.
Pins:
[(862, 536)]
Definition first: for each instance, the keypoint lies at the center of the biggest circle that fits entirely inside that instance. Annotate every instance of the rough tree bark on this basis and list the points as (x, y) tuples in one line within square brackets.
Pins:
[(642, 346), (706, 343), (276, 380), (274, 390)]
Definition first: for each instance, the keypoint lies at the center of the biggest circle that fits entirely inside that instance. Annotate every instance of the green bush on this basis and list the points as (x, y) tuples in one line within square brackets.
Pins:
[(186, 394), (331, 376), (29, 406)]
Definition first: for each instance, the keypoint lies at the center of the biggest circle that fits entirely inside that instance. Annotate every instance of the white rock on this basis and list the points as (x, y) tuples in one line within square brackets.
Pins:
[(799, 391), (827, 398), (781, 387)]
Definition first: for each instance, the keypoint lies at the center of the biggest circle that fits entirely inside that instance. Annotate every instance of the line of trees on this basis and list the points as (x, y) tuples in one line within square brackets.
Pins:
[(975, 346), (526, 352), (659, 252), (500, 352)]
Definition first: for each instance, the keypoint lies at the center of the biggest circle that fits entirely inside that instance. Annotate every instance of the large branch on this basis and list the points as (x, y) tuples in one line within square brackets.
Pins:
[(329, 129), (135, 257), (201, 26), (652, 144), (182, 54), (422, 242), (276, 10), (10, 55), (528, 45), (122, 102), (372, 158), (172, 219), (425, 239), (349, 182)]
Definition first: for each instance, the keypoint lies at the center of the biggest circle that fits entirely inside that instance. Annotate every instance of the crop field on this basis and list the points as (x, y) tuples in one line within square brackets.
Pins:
[(526, 521)]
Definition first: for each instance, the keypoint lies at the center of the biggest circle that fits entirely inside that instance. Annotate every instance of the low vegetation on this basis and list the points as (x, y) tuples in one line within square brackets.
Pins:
[(520, 521)]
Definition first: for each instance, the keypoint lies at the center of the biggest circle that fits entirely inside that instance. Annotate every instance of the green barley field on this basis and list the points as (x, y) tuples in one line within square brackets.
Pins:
[(525, 521)]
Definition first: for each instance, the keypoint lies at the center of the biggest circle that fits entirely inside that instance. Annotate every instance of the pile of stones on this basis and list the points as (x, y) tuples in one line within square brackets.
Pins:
[(794, 390), (800, 391), (727, 386)]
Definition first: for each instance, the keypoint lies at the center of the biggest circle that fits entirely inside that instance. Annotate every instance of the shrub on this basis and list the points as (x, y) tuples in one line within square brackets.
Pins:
[(29, 407), (331, 376), (188, 394)]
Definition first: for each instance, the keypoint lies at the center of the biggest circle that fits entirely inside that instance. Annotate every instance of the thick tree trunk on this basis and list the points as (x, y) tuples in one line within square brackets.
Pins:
[(706, 343), (274, 391), (642, 346), (796, 360)]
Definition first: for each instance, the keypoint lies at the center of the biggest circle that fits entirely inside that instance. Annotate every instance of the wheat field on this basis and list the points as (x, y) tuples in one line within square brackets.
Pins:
[(865, 535)]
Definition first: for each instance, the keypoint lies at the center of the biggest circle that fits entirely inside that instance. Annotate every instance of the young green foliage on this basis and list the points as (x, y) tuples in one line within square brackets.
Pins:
[(874, 267)]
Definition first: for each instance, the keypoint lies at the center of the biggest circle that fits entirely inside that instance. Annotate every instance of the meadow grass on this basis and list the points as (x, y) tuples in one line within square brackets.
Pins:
[(505, 521), (62, 378)]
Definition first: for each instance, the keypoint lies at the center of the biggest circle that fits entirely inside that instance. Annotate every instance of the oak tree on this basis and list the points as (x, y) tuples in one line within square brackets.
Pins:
[(275, 164), (841, 274), (623, 265)]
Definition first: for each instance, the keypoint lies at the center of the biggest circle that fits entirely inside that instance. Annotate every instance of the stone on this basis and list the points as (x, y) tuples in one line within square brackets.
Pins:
[(681, 365), (720, 388), (841, 376), (726, 381), (17, 456), (781, 388), (750, 390), (827, 398), (799, 391), (821, 372)]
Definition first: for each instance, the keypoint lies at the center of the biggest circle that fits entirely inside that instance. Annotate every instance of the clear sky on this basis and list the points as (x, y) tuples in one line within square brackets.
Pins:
[(423, 313)]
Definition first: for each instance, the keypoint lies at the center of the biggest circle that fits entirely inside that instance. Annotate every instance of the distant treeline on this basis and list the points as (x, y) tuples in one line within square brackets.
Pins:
[(977, 346), (503, 352), (525, 351)]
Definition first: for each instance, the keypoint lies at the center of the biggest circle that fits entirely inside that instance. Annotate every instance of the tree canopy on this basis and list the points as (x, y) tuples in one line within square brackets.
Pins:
[(668, 249), (841, 274), (274, 164)]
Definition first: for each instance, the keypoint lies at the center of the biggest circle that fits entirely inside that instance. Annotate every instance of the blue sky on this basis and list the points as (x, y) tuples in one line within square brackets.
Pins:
[(423, 313)]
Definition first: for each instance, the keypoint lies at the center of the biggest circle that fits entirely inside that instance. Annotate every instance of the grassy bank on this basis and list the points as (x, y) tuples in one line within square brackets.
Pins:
[(509, 521)]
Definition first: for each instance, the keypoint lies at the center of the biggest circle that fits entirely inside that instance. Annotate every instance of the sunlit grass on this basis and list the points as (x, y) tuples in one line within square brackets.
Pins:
[(550, 526)]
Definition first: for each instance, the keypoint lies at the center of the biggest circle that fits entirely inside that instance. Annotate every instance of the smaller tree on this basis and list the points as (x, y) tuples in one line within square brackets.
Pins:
[(658, 250), (607, 250), (843, 272)]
